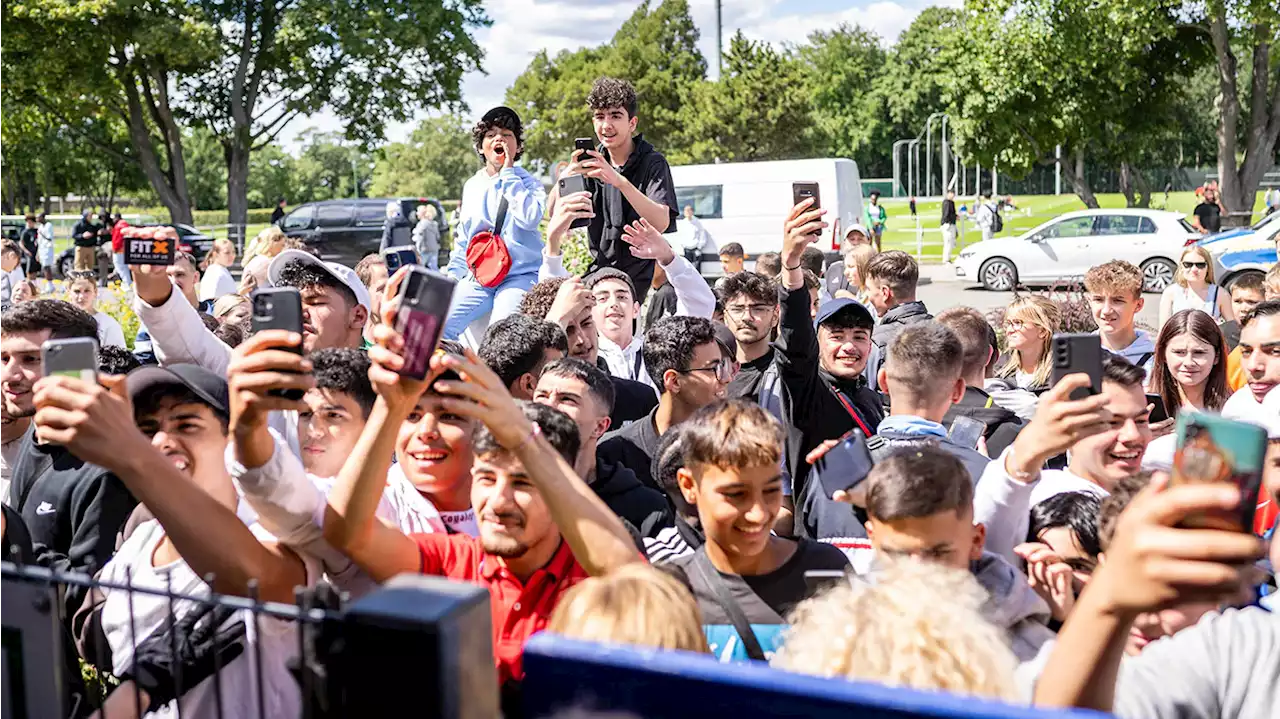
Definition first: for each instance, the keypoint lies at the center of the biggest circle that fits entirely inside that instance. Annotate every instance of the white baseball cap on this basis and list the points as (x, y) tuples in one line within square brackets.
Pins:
[(342, 273)]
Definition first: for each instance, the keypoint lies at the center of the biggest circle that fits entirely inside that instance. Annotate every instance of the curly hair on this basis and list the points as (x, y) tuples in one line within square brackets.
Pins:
[(506, 122), (609, 92), (537, 302), (1117, 276), (919, 626)]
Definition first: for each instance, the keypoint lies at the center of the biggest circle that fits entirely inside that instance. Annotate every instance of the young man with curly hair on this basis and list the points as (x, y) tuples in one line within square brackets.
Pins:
[(499, 140), (634, 178)]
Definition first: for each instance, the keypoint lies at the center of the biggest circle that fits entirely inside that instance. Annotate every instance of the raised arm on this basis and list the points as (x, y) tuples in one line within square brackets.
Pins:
[(97, 425), (599, 540), (797, 341), (567, 209), (177, 333), (693, 295)]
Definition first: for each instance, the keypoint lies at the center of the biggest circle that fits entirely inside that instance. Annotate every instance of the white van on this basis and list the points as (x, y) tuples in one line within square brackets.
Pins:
[(747, 202)]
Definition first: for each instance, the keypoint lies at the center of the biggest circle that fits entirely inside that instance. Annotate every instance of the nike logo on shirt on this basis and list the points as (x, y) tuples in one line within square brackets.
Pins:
[(45, 508)]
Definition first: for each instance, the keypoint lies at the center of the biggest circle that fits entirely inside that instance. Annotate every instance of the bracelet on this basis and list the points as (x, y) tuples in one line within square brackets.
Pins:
[(1024, 477), (798, 264), (535, 432)]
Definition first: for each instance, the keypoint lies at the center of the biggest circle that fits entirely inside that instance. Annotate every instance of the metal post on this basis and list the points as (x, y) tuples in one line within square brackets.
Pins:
[(977, 180), (719, 47), (945, 148), (355, 175), (897, 166), (1057, 170), (928, 152), (995, 178)]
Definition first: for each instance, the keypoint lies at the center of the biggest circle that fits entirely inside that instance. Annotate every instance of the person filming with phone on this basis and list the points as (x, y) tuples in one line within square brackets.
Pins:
[(634, 182)]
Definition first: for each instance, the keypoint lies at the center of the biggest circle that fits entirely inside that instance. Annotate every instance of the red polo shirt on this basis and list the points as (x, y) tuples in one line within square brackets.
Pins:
[(519, 609)]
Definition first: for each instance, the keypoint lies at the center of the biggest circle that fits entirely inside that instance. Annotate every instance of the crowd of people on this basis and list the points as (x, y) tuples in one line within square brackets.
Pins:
[(775, 470)]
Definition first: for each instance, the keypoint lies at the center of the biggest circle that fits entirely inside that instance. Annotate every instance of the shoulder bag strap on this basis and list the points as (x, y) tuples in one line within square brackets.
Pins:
[(501, 218), (711, 577)]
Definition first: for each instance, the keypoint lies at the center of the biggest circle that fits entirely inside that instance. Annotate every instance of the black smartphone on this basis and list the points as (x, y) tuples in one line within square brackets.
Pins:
[(73, 357), (570, 184), (581, 145), (1077, 352), (1159, 412), (845, 465), (801, 191), (278, 308), (422, 306), (397, 257), (966, 431)]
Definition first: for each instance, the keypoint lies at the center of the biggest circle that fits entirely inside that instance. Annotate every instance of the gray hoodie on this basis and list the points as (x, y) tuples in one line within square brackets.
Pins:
[(1141, 352), (1014, 605), (1227, 666)]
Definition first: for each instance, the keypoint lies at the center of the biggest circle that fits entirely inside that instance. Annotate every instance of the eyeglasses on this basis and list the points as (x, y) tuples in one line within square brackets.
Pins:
[(740, 311), (723, 370), (1195, 265), (1014, 325)]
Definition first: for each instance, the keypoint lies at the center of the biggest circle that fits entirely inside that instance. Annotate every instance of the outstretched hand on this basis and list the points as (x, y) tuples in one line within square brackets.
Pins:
[(803, 227), (94, 421), (647, 243)]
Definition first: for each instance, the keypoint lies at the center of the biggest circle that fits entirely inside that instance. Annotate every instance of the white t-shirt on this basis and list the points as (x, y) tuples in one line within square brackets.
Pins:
[(216, 282), (110, 334), (1060, 481), (277, 643)]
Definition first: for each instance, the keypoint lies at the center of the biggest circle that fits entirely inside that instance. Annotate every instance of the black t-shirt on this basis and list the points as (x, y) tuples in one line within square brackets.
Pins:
[(28, 239), (648, 170), (747, 384), (765, 599), (1210, 216), (662, 305)]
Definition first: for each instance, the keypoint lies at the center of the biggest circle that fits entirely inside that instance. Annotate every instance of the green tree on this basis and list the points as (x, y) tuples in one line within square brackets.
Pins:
[(841, 67), (328, 167), (435, 162), (655, 49), (272, 174), (758, 110)]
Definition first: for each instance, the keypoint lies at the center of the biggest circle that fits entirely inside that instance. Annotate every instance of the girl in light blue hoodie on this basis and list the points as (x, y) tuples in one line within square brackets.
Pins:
[(498, 141)]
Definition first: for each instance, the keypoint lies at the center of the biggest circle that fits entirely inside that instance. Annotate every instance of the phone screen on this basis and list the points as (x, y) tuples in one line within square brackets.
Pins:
[(966, 431), (424, 304)]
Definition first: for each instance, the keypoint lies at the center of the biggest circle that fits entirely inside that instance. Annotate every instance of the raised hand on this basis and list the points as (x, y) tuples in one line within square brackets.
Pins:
[(480, 395), (594, 165), (1059, 422), (571, 207), (95, 422), (647, 243), (573, 299), (1050, 576), (802, 228)]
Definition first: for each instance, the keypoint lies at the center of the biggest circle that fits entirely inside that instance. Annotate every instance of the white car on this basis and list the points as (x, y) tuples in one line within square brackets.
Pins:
[(1065, 247)]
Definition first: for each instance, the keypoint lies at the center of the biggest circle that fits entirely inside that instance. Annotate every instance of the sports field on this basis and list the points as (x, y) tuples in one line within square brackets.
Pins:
[(1031, 210)]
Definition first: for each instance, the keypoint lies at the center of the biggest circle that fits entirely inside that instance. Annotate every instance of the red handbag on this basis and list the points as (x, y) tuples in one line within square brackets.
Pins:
[(487, 255)]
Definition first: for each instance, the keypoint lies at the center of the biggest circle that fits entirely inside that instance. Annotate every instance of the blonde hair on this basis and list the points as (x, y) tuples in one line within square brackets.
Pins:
[(427, 212), (858, 257), (226, 303), (635, 604), (919, 625), (1040, 312), (1181, 279), (219, 245), (1271, 281), (263, 242)]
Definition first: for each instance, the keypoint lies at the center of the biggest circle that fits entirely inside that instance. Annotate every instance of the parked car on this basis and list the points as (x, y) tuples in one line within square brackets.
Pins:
[(1267, 222), (1065, 247), (344, 231), (1253, 253), (190, 240)]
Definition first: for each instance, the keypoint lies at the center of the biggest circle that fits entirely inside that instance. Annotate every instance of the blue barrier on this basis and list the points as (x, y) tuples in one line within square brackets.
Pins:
[(565, 673)]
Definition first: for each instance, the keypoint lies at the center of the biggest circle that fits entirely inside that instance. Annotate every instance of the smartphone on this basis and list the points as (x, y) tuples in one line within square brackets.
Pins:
[(397, 257), (817, 580), (1074, 353), (1159, 412), (801, 191), (581, 145), (422, 306), (278, 308), (570, 184), (1212, 448), (844, 465), (966, 431), (73, 357)]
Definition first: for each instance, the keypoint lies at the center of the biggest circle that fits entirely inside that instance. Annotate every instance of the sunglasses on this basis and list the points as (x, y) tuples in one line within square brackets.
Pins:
[(1195, 265)]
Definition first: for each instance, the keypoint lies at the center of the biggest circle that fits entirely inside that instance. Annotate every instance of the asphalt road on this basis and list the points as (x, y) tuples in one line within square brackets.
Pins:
[(944, 291)]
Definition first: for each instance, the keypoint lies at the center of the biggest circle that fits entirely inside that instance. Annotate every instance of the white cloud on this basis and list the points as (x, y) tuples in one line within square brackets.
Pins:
[(521, 28)]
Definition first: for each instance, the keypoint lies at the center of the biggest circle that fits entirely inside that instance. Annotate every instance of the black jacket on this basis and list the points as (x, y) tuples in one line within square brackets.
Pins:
[(73, 510), (1002, 425), (907, 313), (644, 507), (634, 447), (948, 212), (815, 411), (632, 400), (83, 226)]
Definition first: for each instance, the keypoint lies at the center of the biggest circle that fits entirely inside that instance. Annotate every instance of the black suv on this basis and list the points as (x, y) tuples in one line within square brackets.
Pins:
[(344, 231)]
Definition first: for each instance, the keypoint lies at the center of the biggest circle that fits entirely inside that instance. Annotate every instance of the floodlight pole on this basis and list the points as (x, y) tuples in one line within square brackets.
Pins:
[(719, 45)]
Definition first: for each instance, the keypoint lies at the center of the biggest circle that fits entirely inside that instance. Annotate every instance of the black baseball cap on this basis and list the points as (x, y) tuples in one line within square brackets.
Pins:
[(726, 340), (208, 387), (503, 112)]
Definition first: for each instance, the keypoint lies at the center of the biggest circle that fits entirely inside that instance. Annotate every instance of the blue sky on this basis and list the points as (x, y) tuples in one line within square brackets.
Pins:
[(522, 27)]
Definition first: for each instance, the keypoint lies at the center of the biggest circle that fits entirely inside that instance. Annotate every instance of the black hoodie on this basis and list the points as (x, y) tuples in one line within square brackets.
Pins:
[(893, 322), (1002, 425), (645, 508), (73, 510)]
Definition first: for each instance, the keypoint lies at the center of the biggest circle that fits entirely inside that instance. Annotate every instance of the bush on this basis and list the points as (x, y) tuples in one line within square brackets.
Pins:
[(117, 304)]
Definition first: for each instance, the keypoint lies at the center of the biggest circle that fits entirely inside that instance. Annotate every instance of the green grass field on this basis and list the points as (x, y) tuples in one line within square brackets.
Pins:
[(1031, 211)]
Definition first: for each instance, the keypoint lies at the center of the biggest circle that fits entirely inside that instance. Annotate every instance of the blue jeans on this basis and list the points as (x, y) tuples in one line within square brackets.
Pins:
[(471, 301), (126, 277)]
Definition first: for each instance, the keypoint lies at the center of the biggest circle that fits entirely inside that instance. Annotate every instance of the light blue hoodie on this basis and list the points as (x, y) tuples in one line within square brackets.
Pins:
[(526, 204), (1141, 352)]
